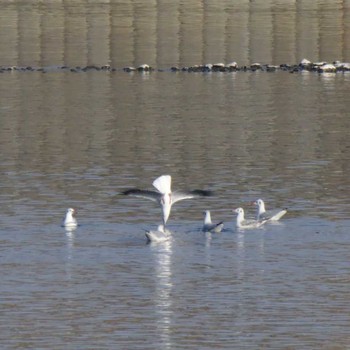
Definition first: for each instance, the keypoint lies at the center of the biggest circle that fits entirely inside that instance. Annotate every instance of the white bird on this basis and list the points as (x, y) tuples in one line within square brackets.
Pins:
[(164, 197), (246, 224), (161, 235), (70, 221), (270, 215), (208, 226)]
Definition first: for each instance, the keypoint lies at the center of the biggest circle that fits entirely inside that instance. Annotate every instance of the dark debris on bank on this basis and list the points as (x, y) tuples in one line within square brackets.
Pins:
[(304, 65)]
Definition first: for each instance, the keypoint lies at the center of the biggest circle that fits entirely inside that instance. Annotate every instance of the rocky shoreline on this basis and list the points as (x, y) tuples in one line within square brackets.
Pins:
[(304, 65)]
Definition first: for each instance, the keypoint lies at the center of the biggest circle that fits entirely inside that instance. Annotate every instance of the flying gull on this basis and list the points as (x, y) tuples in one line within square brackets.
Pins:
[(165, 197)]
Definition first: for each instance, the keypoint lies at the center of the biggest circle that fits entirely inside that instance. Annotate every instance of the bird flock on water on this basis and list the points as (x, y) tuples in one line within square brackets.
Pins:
[(165, 198)]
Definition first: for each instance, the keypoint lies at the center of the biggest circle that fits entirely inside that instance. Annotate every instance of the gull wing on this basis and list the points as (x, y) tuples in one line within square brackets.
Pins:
[(274, 215), (135, 192), (178, 196), (163, 184), (250, 223), (213, 227)]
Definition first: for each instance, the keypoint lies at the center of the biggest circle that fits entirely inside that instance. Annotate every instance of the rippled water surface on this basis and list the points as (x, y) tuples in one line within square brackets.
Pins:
[(79, 139)]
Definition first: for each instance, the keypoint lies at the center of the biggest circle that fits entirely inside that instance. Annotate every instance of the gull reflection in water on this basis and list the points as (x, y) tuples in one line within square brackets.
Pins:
[(70, 246), (241, 256), (241, 308), (162, 254), (208, 239)]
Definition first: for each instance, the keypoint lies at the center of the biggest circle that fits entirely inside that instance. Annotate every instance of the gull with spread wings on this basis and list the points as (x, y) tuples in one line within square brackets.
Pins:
[(165, 197)]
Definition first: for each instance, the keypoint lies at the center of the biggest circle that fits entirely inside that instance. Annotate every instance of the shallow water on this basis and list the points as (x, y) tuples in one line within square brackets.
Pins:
[(78, 140)]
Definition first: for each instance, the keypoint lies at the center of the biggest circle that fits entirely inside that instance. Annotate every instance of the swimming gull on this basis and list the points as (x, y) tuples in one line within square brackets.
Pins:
[(246, 224), (208, 226), (70, 221), (165, 197), (161, 235), (270, 215)]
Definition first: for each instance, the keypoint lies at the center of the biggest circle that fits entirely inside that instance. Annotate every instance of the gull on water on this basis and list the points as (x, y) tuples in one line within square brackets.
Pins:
[(246, 224), (70, 221), (208, 226), (161, 235), (165, 197), (270, 215)]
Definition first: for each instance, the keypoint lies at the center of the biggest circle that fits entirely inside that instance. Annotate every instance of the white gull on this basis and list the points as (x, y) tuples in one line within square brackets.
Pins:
[(161, 235), (70, 221), (246, 224), (165, 197), (208, 226), (270, 215)]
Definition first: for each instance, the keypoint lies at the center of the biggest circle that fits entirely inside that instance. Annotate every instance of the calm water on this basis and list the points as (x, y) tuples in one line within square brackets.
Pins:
[(77, 140)]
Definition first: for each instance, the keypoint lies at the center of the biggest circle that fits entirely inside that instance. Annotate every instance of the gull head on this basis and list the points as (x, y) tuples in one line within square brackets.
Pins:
[(71, 211), (259, 202), (239, 211), (261, 205)]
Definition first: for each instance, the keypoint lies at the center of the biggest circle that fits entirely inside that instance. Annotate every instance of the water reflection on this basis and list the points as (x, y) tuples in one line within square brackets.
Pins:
[(240, 237), (181, 33), (261, 244), (208, 254), (208, 239), (70, 238), (163, 302)]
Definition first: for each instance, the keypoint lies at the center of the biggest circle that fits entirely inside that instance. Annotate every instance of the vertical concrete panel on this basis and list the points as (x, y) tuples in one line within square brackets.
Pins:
[(52, 34), (237, 38), (9, 35), (167, 33), (191, 33), (260, 31), (98, 33), (75, 34), (122, 34), (307, 30), (145, 19)]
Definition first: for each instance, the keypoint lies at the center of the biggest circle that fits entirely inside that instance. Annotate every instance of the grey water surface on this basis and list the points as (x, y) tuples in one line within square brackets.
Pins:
[(78, 140)]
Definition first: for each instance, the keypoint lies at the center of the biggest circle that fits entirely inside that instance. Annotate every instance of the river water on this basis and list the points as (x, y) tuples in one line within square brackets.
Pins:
[(78, 139)]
